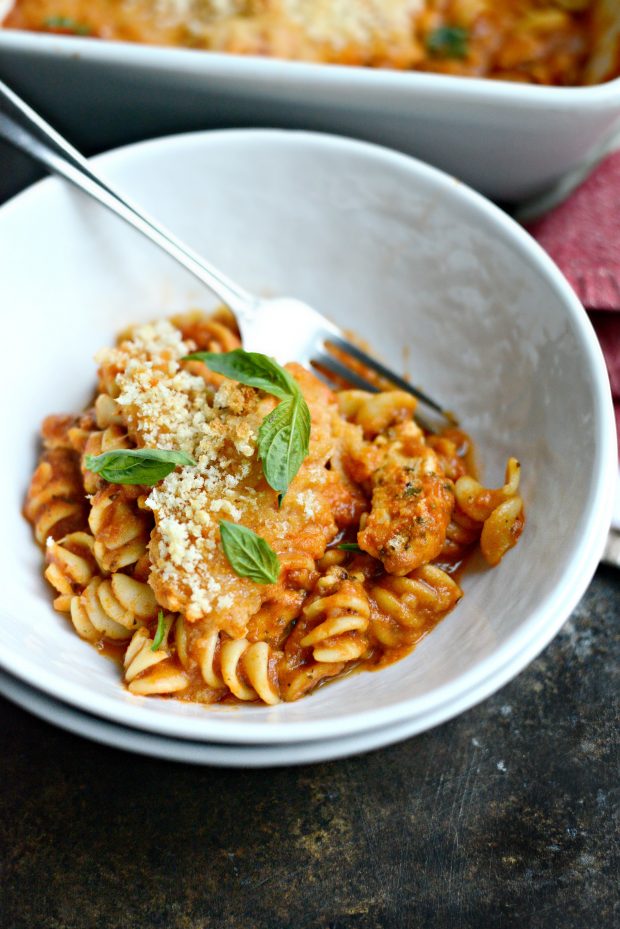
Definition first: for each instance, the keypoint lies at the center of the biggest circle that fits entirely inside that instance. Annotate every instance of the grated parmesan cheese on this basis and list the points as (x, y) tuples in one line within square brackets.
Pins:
[(332, 23), (308, 502)]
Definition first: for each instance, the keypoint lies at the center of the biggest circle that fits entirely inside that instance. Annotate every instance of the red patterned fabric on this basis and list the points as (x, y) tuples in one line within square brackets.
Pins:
[(582, 235)]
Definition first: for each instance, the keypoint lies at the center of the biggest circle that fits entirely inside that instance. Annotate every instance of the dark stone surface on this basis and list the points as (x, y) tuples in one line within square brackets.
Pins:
[(503, 817)]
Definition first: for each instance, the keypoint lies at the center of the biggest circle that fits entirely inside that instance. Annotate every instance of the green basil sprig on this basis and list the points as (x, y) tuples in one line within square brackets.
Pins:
[(250, 368), (136, 465), (248, 554), (284, 435), (448, 42), (67, 24), (161, 631), (283, 441)]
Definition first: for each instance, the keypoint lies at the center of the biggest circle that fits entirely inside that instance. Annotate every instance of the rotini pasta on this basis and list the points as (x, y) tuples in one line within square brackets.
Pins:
[(337, 616), (71, 566), (120, 529), (406, 605), (55, 504), (151, 671), (367, 537)]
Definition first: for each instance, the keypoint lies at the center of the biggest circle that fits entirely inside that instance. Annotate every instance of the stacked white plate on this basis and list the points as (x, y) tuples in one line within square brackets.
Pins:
[(201, 752), (438, 280)]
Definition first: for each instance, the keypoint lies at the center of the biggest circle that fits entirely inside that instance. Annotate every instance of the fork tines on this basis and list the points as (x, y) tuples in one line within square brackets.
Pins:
[(335, 366)]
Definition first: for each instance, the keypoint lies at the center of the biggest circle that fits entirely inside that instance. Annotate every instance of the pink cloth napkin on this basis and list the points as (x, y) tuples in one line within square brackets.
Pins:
[(582, 235)]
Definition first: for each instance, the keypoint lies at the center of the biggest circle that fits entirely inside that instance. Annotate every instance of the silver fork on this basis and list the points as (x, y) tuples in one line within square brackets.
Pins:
[(304, 335)]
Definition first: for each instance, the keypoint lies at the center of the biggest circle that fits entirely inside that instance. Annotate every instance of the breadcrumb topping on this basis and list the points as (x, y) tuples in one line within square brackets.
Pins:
[(166, 406)]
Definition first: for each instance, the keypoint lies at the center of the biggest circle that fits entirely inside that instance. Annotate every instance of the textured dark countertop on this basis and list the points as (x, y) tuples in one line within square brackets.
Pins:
[(506, 816)]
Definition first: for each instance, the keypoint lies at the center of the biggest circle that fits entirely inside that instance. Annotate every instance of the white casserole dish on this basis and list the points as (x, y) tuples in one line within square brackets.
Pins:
[(511, 141)]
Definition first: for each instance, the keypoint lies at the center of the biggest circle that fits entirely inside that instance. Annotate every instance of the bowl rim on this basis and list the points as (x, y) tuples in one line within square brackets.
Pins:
[(526, 641), (214, 754), (402, 85)]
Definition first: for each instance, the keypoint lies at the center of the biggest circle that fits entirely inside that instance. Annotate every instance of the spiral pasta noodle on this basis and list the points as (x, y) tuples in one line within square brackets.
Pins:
[(55, 503), (120, 529), (462, 532), (329, 635), (150, 671), (71, 565), (498, 512), (242, 668), (336, 617), (112, 607), (217, 332), (375, 413), (406, 606)]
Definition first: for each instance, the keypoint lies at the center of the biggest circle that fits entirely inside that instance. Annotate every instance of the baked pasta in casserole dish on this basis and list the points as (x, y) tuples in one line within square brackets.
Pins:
[(534, 41)]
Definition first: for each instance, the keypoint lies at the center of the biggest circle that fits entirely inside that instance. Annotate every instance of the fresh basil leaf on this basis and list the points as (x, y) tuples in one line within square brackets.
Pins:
[(349, 547), (284, 435), (67, 24), (161, 631), (448, 42), (136, 465), (283, 441), (248, 554), (250, 368)]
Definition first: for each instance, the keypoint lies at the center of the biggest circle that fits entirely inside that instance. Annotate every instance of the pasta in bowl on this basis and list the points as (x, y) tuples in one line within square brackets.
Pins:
[(439, 282), (166, 537)]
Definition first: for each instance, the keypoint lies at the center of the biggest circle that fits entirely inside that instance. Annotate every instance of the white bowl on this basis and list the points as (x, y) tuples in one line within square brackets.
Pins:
[(441, 282), (509, 140)]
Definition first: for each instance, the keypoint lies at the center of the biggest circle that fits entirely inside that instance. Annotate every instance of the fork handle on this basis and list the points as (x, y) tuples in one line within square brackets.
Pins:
[(27, 131)]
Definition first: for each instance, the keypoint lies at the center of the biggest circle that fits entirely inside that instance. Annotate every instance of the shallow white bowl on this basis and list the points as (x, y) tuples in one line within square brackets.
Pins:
[(441, 282)]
